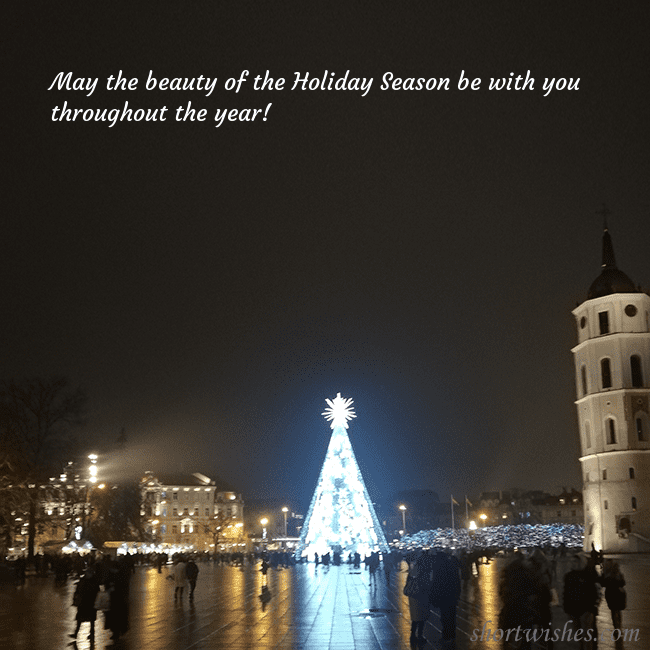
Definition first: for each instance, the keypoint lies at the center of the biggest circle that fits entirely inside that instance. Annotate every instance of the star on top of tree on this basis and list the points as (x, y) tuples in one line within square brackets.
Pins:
[(339, 411)]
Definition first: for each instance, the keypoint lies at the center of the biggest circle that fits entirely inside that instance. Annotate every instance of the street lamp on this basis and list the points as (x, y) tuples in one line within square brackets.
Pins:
[(92, 471), (285, 510), (93, 467), (483, 517), (264, 521), (403, 509)]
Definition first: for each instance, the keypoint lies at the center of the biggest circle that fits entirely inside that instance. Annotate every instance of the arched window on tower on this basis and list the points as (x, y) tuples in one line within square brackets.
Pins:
[(633, 503), (583, 377), (637, 372), (640, 430), (587, 435), (606, 373), (603, 321), (611, 431)]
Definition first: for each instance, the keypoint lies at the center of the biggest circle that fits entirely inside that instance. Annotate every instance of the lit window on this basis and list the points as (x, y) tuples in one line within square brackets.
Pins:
[(606, 373), (637, 373)]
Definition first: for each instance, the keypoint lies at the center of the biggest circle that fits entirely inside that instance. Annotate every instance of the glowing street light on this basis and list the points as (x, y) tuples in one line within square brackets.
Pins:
[(483, 517), (264, 521), (285, 510), (92, 470), (403, 509)]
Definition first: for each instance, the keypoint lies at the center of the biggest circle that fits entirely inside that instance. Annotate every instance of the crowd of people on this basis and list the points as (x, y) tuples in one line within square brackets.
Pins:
[(104, 586), (502, 537), (527, 582)]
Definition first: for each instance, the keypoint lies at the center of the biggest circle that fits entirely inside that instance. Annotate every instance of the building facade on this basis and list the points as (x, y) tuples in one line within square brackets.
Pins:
[(530, 507), (612, 364), (191, 513)]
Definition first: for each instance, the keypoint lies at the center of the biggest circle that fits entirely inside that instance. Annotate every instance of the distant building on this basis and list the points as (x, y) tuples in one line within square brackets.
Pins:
[(528, 507), (612, 361), (190, 512)]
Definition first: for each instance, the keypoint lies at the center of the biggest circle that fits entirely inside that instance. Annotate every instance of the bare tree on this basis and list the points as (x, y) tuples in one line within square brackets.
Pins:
[(116, 515), (36, 420), (217, 527)]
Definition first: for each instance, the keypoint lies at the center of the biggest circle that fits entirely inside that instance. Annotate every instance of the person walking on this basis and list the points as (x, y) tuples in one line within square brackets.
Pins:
[(192, 572), (84, 601), (445, 592), (580, 600), (615, 595), (180, 576), (116, 619), (418, 587)]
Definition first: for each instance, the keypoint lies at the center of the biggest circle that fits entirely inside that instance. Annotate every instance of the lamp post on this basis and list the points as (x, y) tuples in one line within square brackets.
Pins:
[(483, 517), (264, 521), (92, 472), (403, 509), (285, 510)]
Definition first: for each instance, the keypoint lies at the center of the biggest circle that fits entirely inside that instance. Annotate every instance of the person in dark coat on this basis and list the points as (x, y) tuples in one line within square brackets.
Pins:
[(117, 617), (525, 594), (445, 592), (192, 572), (84, 601), (420, 575), (581, 598), (615, 595)]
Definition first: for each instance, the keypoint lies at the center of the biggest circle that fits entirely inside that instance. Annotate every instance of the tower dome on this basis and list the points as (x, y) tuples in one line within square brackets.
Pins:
[(611, 279)]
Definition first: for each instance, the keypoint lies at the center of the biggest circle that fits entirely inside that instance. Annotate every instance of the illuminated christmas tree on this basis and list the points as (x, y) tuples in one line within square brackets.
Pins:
[(341, 517)]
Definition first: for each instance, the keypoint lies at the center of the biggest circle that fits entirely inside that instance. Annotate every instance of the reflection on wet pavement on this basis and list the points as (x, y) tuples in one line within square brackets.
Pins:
[(301, 608)]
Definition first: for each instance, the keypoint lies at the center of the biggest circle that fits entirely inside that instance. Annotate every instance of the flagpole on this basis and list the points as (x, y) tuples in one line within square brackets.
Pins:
[(453, 527)]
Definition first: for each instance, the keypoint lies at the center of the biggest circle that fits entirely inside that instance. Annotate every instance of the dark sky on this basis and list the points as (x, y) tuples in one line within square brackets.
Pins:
[(420, 252)]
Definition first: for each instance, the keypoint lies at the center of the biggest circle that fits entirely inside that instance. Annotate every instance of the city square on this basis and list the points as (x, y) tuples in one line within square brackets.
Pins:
[(325, 327), (309, 608)]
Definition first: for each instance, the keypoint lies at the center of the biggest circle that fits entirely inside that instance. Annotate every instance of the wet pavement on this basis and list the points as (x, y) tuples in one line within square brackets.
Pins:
[(305, 608)]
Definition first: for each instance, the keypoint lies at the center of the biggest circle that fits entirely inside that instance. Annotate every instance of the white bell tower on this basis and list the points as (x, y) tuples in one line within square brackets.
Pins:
[(612, 361)]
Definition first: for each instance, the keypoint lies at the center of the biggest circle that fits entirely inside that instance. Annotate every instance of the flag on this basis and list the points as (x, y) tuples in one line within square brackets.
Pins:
[(468, 502), (454, 501)]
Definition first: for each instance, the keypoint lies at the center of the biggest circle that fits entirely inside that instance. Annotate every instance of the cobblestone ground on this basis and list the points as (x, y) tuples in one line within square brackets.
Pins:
[(309, 609)]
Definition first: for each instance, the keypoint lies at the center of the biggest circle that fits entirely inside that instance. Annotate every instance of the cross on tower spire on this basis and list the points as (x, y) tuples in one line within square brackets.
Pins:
[(604, 212)]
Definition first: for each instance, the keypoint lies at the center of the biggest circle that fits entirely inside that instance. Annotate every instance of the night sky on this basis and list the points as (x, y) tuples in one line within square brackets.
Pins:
[(418, 251)]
